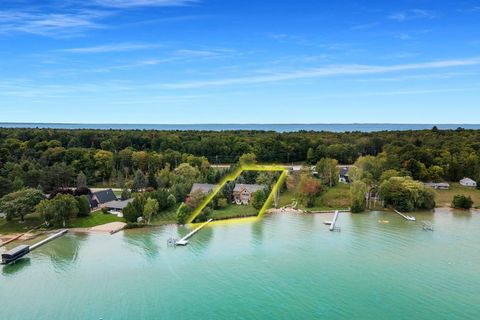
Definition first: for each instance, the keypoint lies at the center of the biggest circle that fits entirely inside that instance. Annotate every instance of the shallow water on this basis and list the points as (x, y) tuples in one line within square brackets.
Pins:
[(281, 267)]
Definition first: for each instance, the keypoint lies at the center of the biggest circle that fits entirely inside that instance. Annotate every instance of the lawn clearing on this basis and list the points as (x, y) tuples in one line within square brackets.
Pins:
[(234, 211), (444, 197), (94, 219)]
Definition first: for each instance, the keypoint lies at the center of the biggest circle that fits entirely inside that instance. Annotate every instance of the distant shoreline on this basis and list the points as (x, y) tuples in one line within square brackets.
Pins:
[(280, 127)]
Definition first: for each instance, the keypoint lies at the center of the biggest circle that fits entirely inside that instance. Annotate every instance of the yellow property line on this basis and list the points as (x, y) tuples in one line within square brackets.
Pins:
[(233, 176)]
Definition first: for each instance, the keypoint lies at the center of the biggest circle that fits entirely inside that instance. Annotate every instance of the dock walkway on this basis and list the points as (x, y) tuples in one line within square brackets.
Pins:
[(334, 221), (184, 240), (409, 218)]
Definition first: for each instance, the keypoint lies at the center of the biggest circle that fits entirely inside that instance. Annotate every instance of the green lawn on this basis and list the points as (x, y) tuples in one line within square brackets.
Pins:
[(94, 219), (16, 226), (444, 197), (337, 197), (234, 211), (166, 217)]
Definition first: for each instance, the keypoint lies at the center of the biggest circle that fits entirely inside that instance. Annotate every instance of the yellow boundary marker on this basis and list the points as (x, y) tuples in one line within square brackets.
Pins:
[(235, 175)]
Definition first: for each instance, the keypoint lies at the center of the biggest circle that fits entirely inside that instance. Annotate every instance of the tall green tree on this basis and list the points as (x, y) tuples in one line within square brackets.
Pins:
[(327, 171), (59, 210), (258, 199), (83, 206), (183, 213), (139, 181), (358, 190), (104, 163), (150, 209), (20, 203), (81, 180)]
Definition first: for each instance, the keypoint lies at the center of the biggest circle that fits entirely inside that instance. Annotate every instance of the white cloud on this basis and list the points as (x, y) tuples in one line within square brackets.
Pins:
[(143, 3), (328, 71), (51, 24), (412, 14), (116, 47), (68, 18)]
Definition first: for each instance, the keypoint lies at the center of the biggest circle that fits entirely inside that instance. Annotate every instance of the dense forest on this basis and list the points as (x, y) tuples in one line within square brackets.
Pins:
[(49, 158)]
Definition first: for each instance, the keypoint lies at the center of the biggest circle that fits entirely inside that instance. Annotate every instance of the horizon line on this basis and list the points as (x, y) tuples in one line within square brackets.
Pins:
[(246, 123)]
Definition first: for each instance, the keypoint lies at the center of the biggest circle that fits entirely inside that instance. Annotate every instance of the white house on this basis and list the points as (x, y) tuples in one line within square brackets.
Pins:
[(467, 182)]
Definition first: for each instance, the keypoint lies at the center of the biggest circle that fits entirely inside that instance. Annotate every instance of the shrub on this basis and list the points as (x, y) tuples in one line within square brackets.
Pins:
[(171, 201), (222, 202), (405, 194), (258, 199), (461, 201), (83, 206), (183, 212), (358, 191)]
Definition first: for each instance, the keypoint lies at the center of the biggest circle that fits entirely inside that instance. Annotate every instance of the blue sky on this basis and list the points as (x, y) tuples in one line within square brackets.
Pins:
[(232, 61)]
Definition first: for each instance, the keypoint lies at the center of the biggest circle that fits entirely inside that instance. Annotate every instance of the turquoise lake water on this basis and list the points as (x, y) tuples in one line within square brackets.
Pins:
[(280, 267)]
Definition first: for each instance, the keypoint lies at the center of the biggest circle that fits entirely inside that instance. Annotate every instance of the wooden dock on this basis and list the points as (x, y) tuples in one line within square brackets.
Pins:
[(334, 221), (184, 240), (21, 250), (406, 217), (52, 237)]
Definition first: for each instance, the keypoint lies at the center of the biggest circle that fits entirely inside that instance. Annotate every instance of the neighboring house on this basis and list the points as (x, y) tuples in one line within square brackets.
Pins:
[(467, 182), (242, 193), (438, 185), (2, 215), (117, 206), (293, 168), (343, 175), (100, 198), (206, 188)]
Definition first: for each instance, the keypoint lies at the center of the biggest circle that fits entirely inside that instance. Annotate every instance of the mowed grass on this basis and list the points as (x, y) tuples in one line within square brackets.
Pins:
[(94, 219), (444, 197), (168, 216), (234, 211), (336, 197), (31, 221)]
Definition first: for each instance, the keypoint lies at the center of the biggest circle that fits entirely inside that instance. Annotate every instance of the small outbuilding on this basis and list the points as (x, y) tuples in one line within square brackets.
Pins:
[(467, 182), (438, 185)]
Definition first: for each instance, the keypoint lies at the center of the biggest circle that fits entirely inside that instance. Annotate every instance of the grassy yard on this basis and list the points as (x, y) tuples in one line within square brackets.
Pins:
[(94, 219), (337, 197), (166, 217), (233, 211), (444, 197), (16, 226)]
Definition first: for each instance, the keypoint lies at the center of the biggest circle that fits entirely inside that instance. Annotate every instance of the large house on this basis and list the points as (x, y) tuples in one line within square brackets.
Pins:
[(99, 198), (467, 182), (243, 193), (343, 175), (117, 206)]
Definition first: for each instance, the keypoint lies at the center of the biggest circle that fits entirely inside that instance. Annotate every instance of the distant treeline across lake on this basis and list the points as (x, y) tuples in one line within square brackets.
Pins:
[(289, 127)]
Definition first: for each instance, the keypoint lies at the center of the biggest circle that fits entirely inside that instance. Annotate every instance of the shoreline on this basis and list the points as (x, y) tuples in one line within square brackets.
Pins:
[(115, 227)]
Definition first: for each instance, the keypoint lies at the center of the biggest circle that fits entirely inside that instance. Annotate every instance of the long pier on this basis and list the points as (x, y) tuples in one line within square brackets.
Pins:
[(406, 217), (52, 237), (334, 221), (184, 240), (21, 250)]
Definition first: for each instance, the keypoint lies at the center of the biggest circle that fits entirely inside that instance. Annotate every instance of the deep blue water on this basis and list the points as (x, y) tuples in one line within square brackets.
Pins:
[(340, 127)]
